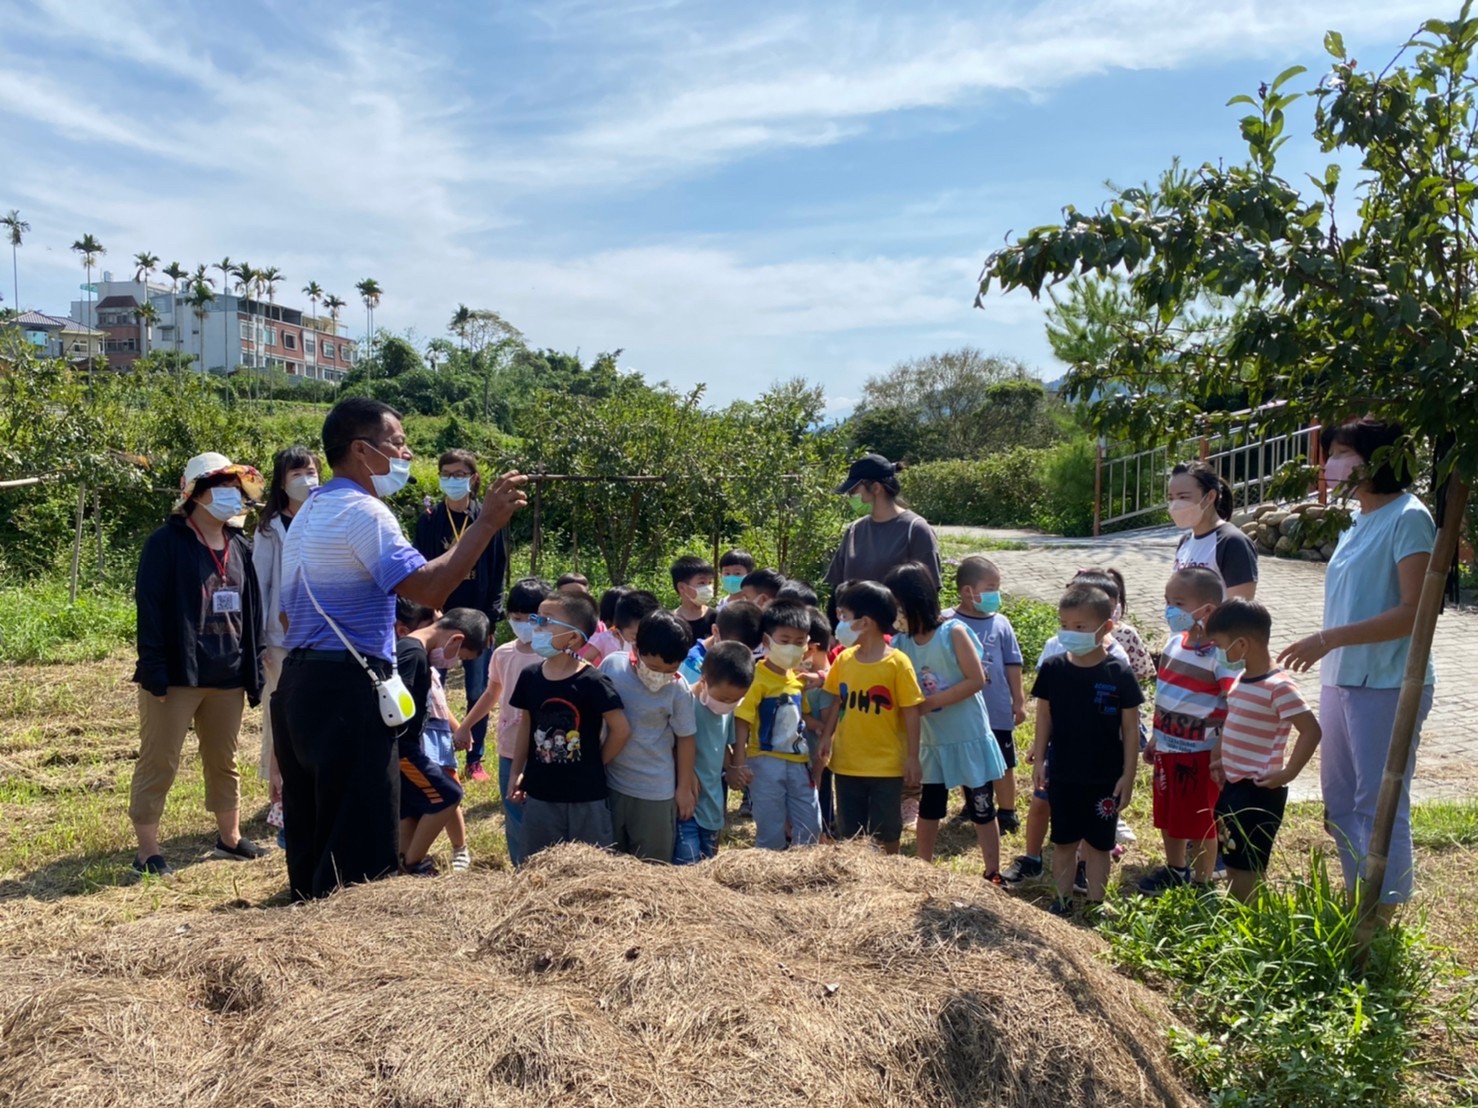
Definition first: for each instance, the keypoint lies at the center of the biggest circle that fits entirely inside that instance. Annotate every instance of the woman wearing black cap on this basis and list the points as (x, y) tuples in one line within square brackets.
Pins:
[(889, 535)]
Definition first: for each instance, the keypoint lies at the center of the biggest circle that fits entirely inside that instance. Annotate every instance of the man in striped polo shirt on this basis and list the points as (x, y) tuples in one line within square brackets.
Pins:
[(1262, 709), (1190, 705), (344, 562)]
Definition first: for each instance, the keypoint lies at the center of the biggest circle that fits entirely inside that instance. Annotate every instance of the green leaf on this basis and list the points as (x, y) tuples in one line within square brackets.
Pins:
[(1334, 42), (1242, 98), (1287, 75)]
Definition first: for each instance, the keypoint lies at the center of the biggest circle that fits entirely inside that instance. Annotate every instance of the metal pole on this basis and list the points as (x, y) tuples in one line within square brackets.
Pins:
[(538, 511), (1098, 489)]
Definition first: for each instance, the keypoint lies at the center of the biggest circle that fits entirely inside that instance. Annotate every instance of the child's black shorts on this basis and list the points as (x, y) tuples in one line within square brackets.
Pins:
[(1007, 742), (425, 787), (980, 804), (1083, 811), (1247, 820)]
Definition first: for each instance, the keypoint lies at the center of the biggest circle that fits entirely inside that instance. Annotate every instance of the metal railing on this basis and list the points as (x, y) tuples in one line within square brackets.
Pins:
[(1248, 453)]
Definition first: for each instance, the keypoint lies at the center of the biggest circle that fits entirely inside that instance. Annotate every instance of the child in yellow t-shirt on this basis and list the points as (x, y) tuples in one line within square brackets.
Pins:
[(871, 734)]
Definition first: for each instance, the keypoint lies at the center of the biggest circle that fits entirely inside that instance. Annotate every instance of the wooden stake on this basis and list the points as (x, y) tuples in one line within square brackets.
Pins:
[(1403, 733), (97, 527), (77, 542)]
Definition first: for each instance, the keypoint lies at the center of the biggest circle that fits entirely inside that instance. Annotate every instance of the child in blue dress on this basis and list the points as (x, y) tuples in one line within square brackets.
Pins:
[(956, 745)]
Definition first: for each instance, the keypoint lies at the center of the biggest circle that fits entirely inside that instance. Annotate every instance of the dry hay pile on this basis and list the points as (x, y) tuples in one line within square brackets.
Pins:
[(829, 976)]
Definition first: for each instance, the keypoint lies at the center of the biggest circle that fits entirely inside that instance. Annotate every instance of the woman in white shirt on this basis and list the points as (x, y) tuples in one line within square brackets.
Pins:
[(1201, 505), (294, 476)]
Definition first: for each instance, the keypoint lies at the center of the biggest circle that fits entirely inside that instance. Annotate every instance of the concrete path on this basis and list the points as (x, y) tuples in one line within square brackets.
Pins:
[(1447, 760)]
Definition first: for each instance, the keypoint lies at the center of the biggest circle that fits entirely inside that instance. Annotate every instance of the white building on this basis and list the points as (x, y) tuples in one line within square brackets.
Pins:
[(235, 332)]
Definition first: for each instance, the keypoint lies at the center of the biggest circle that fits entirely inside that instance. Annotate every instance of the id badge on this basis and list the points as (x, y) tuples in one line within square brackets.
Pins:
[(226, 602)]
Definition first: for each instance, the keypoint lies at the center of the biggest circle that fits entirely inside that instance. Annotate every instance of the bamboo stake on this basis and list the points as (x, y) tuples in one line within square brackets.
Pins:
[(77, 543), (97, 527), (1403, 733)]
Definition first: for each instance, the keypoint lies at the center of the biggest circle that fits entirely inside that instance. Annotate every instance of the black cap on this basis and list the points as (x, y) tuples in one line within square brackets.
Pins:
[(869, 467)]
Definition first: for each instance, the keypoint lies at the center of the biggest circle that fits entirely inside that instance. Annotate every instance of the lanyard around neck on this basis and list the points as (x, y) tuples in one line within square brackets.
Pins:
[(452, 523), (221, 562)]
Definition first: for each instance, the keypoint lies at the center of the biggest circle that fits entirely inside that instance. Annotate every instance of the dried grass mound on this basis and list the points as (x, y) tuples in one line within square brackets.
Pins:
[(828, 976)]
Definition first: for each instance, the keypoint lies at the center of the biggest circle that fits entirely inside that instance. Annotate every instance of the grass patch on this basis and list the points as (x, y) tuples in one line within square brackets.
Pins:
[(37, 624), (1440, 824), (1280, 1016)]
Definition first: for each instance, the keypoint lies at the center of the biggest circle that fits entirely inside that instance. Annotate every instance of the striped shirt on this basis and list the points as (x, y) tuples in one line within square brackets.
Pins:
[(1260, 711), (1190, 697), (354, 554)]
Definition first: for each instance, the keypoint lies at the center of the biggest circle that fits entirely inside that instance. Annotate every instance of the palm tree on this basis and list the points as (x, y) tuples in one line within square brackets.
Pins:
[(89, 248), (460, 320), (227, 268), (314, 292), (370, 292), (147, 315), (16, 227), (335, 305), (267, 280), (201, 295), (144, 266), (176, 273)]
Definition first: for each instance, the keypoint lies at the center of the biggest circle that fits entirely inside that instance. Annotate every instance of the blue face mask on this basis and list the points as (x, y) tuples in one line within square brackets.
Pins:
[(225, 502), (456, 488), (1226, 663), (388, 484), (1179, 619), (990, 602), (1078, 643), (732, 582), (522, 629), (543, 644)]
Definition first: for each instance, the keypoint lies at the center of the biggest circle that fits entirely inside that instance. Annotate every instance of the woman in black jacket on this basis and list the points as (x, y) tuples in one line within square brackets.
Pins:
[(199, 645)]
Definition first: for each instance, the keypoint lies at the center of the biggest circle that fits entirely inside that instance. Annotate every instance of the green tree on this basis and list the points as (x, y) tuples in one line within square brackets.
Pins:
[(945, 396), (1372, 313), (228, 270), (15, 231), (370, 292), (144, 266), (176, 273), (314, 292), (147, 315), (89, 249)]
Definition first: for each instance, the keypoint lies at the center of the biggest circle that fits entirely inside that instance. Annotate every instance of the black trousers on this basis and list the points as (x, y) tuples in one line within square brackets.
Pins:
[(340, 777)]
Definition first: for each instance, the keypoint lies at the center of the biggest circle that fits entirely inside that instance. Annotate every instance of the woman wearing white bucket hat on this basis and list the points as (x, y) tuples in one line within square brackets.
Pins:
[(199, 632)]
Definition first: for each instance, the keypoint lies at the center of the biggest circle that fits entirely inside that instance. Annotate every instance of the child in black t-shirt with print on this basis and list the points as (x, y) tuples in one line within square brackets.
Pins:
[(1087, 742), (559, 762)]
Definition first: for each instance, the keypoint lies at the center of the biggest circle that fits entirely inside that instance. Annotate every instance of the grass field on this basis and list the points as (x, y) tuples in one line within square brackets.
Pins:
[(68, 740)]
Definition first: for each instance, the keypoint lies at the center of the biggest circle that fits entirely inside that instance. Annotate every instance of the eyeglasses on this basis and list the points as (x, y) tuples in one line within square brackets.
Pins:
[(546, 621)]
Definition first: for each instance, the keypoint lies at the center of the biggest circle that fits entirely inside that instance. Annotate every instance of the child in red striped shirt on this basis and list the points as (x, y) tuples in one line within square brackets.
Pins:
[(1263, 707), (1190, 706)]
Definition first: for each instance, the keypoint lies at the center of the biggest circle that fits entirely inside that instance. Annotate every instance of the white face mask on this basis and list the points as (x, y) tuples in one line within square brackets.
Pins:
[(702, 594), (225, 502), (717, 707), (299, 487), (654, 681), (785, 655)]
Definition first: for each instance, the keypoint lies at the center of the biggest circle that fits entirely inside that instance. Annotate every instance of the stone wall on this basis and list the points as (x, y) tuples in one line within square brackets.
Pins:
[(1308, 531)]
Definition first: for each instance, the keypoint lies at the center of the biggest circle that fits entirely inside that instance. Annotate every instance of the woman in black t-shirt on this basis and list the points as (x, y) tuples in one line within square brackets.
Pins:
[(1201, 504)]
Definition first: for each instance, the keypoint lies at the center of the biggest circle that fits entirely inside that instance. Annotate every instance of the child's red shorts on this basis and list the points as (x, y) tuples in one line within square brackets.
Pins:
[(1185, 795)]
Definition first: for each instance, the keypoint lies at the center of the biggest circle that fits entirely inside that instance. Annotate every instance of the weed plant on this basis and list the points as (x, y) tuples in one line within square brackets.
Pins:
[(1283, 1016)]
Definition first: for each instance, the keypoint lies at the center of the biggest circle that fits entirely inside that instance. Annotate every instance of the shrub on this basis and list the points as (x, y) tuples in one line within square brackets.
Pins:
[(1049, 488), (38, 625), (1283, 1017)]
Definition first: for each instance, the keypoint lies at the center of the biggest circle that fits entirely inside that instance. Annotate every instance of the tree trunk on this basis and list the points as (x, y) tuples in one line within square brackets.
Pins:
[(1429, 607)]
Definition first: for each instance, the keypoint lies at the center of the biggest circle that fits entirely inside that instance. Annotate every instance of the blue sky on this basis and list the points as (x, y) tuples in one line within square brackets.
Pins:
[(731, 193)]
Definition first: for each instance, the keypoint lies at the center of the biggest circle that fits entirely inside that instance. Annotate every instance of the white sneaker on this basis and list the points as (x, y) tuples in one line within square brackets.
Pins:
[(461, 860), (1125, 833)]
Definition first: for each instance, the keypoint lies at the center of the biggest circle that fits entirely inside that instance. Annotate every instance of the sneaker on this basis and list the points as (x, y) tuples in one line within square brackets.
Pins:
[(153, 866), (1080, 879), (1006, 821), (1021, 869), (746, 807), (461, 860), (1061, 908), (1166, 877), (910, 812), (1220, 869), (994, 878), (477, 773), (244, 851), (1125, 833), (424, 868)]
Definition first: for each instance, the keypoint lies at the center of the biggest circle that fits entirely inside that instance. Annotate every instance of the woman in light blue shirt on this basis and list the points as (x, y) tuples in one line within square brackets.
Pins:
[(1370, 597)]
